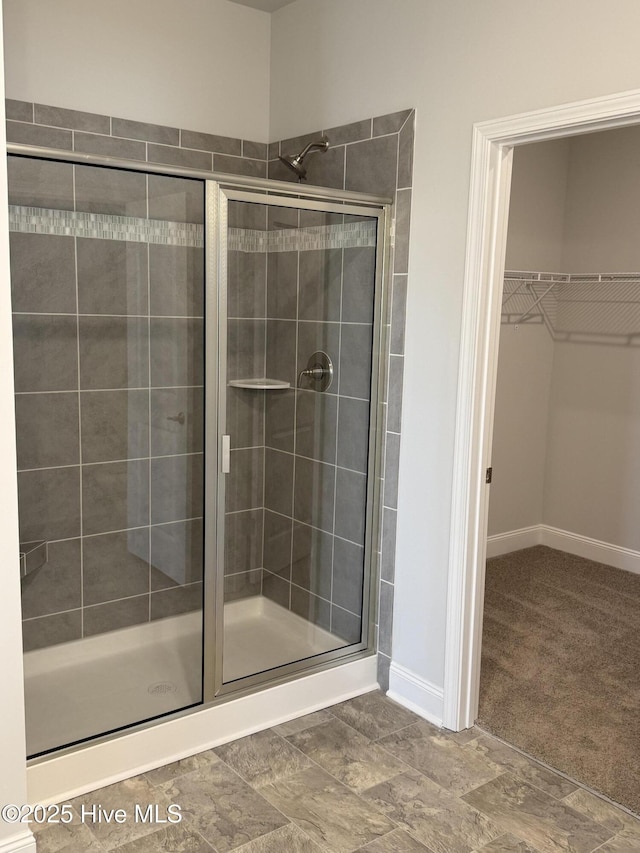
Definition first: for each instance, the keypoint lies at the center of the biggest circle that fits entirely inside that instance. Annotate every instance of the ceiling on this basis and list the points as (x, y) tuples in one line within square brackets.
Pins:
[(264, 5)]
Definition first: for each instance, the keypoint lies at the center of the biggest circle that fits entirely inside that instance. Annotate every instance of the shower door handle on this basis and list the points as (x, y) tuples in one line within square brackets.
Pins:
[(225, 455)]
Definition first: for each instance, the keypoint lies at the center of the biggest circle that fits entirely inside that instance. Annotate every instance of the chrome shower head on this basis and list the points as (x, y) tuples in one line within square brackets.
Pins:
[(295, 161)]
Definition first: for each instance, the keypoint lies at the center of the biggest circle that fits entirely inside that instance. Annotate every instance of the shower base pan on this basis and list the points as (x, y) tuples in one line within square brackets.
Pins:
[(88, 687)]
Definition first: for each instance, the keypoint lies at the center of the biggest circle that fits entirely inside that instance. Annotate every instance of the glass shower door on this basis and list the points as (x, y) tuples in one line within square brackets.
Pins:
[(108, 299), (301, 295)]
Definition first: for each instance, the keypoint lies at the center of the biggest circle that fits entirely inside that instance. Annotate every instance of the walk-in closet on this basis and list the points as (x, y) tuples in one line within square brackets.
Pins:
[(561, 646)]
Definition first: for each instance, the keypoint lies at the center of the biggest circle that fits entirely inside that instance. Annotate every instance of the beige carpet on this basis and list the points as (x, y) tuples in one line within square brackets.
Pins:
[(561, 666)]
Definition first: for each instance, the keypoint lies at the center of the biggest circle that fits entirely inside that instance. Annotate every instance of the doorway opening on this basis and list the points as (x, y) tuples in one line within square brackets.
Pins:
[(489, 204), (560, 651)]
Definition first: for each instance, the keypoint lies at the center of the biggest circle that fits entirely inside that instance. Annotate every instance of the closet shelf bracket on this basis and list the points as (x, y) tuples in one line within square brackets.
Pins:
[(527, 313)]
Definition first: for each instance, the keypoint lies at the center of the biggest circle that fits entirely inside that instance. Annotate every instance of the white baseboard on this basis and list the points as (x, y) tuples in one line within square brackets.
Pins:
[(514, 540), (562, 540), (415, 693), (25, 843), (592, 549)]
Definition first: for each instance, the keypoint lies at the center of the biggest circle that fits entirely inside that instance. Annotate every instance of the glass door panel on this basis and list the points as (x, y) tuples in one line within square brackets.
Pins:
[(301, 288), (107, 279)]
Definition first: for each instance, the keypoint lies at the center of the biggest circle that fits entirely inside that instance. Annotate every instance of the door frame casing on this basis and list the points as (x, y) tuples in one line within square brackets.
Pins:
[(492, 152)]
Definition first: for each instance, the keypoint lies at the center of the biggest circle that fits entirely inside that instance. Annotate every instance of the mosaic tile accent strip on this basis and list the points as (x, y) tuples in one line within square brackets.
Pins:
[(346, 235), (102, 226)]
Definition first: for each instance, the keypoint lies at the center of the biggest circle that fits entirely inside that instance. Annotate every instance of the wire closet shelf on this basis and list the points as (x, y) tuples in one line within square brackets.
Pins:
[(599, 308)]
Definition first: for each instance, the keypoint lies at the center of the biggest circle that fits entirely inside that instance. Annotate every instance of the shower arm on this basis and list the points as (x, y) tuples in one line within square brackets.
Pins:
[(295, 162), (322, 145)]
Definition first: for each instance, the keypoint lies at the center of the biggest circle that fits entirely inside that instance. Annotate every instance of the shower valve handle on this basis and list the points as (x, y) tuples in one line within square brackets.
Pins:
[(319, 371), (316, 373), (179, 418)]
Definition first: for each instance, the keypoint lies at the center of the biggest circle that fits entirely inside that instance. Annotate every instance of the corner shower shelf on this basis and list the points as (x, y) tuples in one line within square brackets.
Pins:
[(33, 555), (263, 384)]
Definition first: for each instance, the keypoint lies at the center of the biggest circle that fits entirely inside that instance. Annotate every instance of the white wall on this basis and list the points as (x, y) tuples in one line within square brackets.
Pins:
[(575, 204), (535, 239), (521, 417), (567, 419), (566, 442), (603, 203), (592, 482), (457, 62), (195, 64), (534, 242)]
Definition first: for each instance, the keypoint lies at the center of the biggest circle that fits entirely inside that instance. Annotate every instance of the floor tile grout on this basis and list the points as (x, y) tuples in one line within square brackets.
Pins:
[(301, 770), (579, 785), (360, 815)]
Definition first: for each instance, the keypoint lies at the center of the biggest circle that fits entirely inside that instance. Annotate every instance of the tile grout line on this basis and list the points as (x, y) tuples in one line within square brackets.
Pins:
[(114, 462), (323, 769), (117, 317), (304, 523), (579, 785), (298, 586), (191, 584), (111, 390), (300, 770), (254, 787), (411, 116)]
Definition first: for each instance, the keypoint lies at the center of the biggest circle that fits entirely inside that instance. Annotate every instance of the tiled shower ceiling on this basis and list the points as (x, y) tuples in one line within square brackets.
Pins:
[(264, 5)]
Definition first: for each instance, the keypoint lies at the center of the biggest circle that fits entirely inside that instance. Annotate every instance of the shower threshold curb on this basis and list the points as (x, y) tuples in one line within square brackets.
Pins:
[(68, 775)]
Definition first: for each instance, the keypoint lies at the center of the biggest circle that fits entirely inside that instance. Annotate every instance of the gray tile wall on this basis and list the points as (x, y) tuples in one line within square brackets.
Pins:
[(373, 155), (316, 456), (108, 342), (71, 130), (298, 457), (246, 359)]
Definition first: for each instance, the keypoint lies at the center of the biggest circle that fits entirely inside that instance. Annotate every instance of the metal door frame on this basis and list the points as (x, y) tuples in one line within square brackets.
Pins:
[(218, 196)]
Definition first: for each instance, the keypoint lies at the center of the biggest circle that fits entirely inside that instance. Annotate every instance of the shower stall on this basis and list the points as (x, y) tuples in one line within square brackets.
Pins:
[(197, 374)]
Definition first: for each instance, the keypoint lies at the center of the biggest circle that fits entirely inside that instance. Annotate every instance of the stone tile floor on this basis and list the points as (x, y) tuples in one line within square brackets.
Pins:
[(365, 775)]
